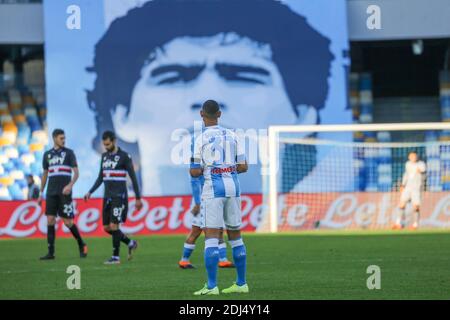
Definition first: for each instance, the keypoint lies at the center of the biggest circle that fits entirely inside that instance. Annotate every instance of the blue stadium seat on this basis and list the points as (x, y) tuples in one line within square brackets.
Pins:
[(22, 183), (16, 192), (4, 193)]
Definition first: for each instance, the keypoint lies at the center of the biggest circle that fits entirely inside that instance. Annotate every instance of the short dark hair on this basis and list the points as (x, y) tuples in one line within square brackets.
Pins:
[(210, 108), (413, 151), (121, 53), (108, 134), (57, 132)]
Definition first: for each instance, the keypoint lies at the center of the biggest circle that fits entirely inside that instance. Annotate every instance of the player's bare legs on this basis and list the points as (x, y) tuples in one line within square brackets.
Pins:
[(416, 217), (189, 247), (401, 216)]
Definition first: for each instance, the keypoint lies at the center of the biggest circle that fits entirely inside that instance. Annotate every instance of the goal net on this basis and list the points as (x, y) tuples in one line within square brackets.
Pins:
[(351, 177)]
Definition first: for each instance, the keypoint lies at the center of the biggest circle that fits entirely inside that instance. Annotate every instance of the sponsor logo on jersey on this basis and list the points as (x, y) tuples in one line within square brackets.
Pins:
[(110, 164), (223, 170), (56, 160)]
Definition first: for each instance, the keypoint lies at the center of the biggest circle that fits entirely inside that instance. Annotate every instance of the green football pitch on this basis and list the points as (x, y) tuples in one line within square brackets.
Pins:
[(312, 265)]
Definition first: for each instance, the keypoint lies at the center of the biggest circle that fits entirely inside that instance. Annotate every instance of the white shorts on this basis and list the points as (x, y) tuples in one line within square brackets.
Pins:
[(219, 212), (412, 195), (197, 220)]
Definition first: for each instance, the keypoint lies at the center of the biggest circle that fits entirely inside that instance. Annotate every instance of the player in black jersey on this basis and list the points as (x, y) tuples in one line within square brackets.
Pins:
[(114, 166), (58, 164)]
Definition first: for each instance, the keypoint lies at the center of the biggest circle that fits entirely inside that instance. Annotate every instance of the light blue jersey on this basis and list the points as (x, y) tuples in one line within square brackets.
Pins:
[(218, 150)]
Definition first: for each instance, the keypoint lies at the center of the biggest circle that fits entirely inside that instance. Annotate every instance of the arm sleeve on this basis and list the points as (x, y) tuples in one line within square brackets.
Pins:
[(99, 180), (196, 153), (73, 160), (45, 162), (132, 174), (422, 167), (196, 189), (405, 176)]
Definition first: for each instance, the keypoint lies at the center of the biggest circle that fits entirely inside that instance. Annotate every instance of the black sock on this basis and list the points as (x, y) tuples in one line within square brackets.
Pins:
[(51, 239), (76, 235), (124, 238), (116, 242)]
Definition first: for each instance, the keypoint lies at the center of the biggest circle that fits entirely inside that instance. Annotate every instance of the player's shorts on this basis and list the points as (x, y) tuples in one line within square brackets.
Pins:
[(59, 205), (412, 195), (219, 212), (115, 210), (199, 222)]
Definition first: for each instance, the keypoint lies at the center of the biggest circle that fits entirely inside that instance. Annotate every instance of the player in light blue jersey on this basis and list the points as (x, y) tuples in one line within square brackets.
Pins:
[(196, 230), (219, 156)]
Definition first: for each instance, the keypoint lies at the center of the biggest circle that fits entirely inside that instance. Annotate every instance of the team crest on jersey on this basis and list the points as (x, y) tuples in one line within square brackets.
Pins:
[(116, 158)]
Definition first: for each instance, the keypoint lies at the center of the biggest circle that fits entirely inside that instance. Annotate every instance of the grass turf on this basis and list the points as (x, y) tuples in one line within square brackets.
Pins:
[(313, 265)]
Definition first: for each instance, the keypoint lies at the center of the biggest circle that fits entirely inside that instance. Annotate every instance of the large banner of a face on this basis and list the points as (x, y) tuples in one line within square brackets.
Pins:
[(143, 68)]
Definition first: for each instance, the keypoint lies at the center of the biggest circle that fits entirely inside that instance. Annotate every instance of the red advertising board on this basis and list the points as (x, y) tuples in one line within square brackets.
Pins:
[(358, 210), (159, 215), (299, 211)]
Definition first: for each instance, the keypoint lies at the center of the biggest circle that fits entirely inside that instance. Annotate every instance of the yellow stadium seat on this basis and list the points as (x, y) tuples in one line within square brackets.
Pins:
[(10, 127), (6, 181), (5, 141), (36, 147)]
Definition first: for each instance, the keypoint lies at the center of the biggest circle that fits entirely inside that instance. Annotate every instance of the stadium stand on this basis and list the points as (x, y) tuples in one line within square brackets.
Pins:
[(23, 137)]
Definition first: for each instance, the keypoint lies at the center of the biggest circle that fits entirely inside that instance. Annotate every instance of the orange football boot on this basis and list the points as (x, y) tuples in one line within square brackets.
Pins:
[(226, 264), (185, 265)]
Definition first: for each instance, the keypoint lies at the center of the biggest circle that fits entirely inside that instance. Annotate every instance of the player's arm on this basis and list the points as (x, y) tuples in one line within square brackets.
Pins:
[(404, 178), (242, 167), (196, 185), (422, 167), (76, 173), (43, 183), (44, 178), (196, 169), (97, 183), (130, 169), (241, 161)]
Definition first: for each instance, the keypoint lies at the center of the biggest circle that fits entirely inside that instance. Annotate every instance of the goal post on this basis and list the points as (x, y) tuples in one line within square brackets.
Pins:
[(363, 161)]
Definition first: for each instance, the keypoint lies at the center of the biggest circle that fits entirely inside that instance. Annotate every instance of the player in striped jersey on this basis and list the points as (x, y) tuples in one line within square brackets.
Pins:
[(114, 166), (219, 156), (58, 164), (196, 231)]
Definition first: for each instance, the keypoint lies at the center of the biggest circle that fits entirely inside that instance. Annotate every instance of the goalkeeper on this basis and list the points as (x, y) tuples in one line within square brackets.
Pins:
[(411, 188)]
